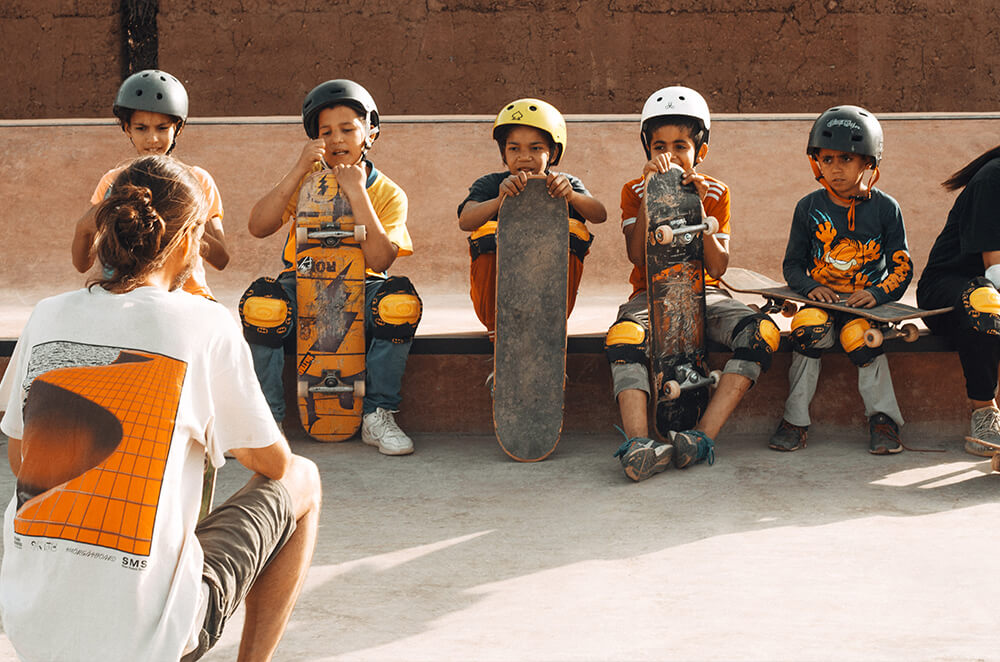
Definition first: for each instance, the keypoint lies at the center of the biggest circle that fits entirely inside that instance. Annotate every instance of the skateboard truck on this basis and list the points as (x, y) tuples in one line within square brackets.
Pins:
[(329, 234), (689, 378), (332, 383), (665, 234)]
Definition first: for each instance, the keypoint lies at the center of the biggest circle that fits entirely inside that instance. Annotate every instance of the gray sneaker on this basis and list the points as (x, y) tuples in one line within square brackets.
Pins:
[(984, 440), (788, 437), (642, 457)]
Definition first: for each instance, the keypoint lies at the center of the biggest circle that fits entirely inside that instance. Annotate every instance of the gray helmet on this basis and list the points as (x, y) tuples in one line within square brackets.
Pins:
[(847, 129), (340, 91), (152, 90)]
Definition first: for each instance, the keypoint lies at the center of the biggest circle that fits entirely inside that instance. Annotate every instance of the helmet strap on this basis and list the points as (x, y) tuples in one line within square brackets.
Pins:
[(849, 202)]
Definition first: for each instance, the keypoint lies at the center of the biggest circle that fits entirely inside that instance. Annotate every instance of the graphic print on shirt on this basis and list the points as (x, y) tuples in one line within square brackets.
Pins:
[(97, 428), (841, 263)]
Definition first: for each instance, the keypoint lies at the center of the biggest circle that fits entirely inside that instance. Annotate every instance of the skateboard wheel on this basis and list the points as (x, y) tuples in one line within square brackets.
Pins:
[(301, 235), (873, 338), (664, 234), (995, 462), (715, 376), (909, 332), (711, 225), (788, 309), (359, 386), (302, 388), (360, 233), (672, 390)]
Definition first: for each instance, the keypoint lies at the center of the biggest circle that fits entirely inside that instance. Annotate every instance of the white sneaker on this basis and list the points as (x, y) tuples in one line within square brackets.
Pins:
[(985, 430), (379, 429)]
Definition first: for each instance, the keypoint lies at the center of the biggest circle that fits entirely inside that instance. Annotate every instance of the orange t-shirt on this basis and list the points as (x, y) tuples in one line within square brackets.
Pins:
[(716, 204)]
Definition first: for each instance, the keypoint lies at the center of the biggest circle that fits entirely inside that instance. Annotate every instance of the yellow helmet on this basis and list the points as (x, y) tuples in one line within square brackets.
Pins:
[(538, 114)]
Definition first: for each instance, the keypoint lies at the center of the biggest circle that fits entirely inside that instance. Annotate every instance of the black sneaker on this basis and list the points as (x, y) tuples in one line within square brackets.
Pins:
[(642, 457), (788, 437), (884, 435)]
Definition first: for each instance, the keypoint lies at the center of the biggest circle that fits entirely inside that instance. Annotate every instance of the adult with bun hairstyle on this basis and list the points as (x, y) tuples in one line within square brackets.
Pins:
[(114, 395), (963, 270)]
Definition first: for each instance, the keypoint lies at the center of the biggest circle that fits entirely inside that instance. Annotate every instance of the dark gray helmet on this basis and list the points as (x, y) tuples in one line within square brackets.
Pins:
[(152, 90), (847, 129), (334, 92)]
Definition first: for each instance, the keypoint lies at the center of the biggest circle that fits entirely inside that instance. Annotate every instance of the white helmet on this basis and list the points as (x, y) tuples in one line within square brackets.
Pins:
[(676, 100)]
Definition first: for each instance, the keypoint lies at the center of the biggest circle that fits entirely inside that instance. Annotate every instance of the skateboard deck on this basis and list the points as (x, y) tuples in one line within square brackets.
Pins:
[(330, 293), (995, 459), (529, 364), (675, 279), (888, 318)]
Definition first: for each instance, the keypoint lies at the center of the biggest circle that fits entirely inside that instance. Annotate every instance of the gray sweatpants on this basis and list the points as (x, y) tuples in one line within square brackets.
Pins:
[(722, 314), (874, 385)]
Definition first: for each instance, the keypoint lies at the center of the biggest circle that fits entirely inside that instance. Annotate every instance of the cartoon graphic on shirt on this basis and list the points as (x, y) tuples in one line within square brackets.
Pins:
[(844, 264), (97, 428)]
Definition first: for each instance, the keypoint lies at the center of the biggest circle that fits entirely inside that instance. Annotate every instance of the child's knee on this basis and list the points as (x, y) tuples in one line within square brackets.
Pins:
[(852, 339), (395, 310), (810, 328), (754, 339)]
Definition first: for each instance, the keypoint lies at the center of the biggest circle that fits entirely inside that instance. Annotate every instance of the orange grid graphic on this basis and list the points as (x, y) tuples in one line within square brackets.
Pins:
[(114, 504)]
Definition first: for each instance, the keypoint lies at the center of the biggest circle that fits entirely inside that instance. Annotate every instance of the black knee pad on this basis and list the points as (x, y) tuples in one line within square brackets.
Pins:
[(396, 310), (981, 306), (762, 342), (626, 342), (808, 327), (266, 313)]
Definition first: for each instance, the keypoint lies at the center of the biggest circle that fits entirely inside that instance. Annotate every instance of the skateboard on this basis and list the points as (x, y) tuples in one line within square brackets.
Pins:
[(330, 293), (529, 360), (995, 459), (889, 320), (675, 279)]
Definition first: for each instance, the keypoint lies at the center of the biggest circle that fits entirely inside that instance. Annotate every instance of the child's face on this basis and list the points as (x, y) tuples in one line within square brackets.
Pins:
[(527, 150), (676, 142), (842, 170), (151, 133), (343, 132)]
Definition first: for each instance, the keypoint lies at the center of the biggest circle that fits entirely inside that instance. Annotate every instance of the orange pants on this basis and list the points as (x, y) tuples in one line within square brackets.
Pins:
[(483, 281)]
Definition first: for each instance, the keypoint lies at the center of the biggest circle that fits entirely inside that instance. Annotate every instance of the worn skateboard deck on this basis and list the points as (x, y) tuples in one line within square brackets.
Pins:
[(887, 318), (529, 367), (675, 279), (330, 292)]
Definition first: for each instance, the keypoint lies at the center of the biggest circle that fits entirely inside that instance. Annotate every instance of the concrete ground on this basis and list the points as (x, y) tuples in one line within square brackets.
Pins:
[(457, 553)]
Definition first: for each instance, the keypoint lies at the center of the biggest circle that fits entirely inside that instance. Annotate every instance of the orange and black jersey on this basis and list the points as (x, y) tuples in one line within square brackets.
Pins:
[(822, 251)]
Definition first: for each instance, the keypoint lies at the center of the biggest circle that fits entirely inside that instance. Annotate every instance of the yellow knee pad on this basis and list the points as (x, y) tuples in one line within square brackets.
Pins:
[(626, 342), (852, 339), (265, 312), (396, 310), (809, 325)]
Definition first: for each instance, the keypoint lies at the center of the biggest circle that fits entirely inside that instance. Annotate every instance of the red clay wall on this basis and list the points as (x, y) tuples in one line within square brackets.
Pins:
[(249, 57)]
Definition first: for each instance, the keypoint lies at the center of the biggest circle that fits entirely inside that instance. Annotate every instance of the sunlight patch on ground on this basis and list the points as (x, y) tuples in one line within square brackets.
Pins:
[(939, 475), (320, 574)]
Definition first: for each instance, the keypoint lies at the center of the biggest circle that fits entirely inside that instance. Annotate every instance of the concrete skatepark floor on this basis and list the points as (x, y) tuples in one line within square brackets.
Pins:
[(456, 553)]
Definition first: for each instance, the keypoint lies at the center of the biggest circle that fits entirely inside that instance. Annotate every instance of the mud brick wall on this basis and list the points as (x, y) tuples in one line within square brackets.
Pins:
[(252, 57)]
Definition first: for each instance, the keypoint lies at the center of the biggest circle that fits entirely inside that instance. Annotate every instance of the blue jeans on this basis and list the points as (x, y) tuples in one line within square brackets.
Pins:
[(385, 361)]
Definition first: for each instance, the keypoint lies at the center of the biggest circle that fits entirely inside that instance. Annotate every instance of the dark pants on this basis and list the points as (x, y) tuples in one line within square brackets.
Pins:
[(979, 353)]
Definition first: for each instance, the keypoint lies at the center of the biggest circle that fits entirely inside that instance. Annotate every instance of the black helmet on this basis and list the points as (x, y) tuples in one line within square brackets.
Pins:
[(334, 92), (847, 129), (152, 90)]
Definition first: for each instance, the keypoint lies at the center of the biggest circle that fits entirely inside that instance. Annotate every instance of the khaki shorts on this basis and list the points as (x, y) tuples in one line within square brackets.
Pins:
[(239, 539)]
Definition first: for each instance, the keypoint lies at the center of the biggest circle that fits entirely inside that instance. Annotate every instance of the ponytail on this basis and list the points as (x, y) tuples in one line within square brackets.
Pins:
[(961, 178)]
